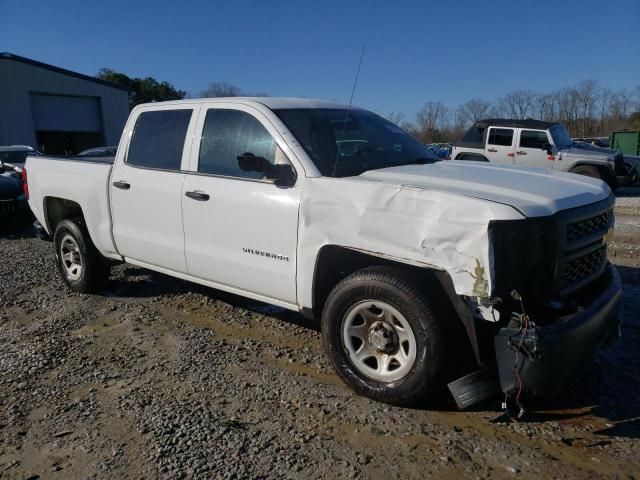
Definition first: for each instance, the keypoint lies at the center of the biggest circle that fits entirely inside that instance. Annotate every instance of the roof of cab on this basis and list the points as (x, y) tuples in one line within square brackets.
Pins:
[(283, 102), (512, 122), (273, 103)]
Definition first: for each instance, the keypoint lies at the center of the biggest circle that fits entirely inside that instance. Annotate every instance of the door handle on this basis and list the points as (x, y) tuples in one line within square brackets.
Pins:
[(521, 153), (492, 150), (122, 185), (197, 195)]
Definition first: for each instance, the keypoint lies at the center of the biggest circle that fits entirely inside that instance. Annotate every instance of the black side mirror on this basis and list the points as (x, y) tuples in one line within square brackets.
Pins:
[(548, 148), (248, 162), (283, 175)]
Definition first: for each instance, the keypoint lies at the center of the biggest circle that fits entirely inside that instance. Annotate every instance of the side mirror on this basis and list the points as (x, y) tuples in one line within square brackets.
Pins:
[(548, 148), (282, 175), (248, 162)]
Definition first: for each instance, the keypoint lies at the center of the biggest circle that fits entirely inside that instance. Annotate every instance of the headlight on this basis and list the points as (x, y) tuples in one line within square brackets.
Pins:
[(524, 256)]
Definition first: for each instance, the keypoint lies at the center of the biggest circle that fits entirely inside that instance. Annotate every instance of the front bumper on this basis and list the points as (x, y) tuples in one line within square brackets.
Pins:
[(548, 356)]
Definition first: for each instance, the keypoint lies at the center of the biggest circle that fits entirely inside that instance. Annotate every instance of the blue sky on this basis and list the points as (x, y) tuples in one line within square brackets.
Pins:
[(416, 51)]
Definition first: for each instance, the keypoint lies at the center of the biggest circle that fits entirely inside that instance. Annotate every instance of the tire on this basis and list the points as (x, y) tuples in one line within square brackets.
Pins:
[(406, 317), (594, 172), (587, 171), (74, 248)]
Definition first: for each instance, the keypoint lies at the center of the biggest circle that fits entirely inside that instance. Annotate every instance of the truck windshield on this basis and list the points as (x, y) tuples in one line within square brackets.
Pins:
[(344, 145), (561, 137)]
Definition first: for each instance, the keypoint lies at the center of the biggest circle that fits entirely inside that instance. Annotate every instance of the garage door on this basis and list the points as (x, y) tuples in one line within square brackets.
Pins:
[(66, 124), (65, 113)]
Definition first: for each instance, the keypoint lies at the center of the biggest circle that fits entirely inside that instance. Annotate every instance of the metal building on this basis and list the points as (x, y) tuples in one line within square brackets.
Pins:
[(57, 111)]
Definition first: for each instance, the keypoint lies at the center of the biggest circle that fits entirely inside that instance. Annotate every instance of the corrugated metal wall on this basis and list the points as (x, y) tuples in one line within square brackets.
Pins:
[(19, 80)]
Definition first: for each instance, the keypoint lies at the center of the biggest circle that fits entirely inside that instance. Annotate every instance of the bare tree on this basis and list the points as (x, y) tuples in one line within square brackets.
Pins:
[(545, 107), (457, 125), (621, 105), (474, 110), (221, 89), (431, 119), (396, 117), (586, 109), (432, 116), (518, 104), (604, 100), (587, 96), (568, 101)]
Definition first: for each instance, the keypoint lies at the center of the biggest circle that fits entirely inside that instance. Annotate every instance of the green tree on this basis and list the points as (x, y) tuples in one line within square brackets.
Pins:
[(143, 90)]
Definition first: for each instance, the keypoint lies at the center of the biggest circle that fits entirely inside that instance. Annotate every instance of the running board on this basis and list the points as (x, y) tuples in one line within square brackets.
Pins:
[(474, 388)]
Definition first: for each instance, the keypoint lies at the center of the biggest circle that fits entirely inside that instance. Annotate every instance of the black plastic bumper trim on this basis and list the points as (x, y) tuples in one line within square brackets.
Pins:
[(560, 348)]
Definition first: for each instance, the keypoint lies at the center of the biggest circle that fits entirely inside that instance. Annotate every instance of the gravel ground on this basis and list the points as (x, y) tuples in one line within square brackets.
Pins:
[(159, 378)]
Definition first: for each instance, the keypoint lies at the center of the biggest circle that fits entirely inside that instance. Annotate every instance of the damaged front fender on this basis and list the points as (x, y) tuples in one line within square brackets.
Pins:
[(434, 229)]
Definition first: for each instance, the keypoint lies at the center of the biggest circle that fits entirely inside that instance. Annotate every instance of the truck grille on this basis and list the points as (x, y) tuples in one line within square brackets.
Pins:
[(7, 207), (582, 248), (584, 228), (583, 267)]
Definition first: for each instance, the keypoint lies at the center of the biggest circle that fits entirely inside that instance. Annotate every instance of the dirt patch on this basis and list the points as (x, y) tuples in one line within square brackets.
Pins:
[(159, 378)]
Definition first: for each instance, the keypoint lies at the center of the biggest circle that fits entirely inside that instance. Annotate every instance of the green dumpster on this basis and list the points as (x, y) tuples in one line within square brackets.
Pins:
[(628, 142)]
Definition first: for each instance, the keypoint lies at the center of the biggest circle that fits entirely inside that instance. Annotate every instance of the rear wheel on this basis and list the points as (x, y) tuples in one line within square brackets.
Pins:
[(80, 264), (382, 337)]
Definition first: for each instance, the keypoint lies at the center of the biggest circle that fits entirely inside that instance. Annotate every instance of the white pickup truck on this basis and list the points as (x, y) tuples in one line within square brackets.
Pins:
[(412, 265)]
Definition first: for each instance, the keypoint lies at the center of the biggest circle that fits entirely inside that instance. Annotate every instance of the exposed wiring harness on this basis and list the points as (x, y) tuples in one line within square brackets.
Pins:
[(520, 346)]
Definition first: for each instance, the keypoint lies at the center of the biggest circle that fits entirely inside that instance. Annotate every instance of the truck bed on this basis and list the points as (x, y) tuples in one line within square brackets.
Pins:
[(75, 179)]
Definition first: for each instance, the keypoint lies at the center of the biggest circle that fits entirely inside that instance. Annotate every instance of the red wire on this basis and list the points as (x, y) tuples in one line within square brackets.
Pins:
[(517, 368)]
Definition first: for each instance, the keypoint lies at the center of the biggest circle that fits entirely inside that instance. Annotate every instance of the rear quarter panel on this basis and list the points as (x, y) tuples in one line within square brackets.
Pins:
[(83, 182)]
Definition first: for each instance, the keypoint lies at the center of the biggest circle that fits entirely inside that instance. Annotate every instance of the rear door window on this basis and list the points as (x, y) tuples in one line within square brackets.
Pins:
[(500, 136), (533, 139), (158, 139)]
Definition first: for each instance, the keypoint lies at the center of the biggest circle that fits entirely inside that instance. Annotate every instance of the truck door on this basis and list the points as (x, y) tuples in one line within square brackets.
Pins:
[(240, 229), (146, 187), (530, 151), (499, 147)]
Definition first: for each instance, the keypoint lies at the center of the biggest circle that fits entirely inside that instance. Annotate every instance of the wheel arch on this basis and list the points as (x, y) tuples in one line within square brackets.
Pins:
[(56, 209), (606, 174), (335, 262)]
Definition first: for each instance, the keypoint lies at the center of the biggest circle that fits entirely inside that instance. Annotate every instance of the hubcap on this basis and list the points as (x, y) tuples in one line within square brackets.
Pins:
[(70, 257), (379, 340)]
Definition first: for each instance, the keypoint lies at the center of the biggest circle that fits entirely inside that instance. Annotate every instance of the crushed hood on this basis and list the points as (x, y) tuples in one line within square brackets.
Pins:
[(535, 192)]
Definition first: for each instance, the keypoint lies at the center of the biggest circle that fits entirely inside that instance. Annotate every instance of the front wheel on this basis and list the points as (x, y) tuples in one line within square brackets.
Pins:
[(80, 264), (382, 337)]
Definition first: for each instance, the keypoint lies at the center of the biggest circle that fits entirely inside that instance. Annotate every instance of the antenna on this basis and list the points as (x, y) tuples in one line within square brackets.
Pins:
[(344, 128)]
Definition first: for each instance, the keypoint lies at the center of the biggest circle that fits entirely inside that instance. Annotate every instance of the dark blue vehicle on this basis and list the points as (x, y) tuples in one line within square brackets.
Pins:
[(13, 194)]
